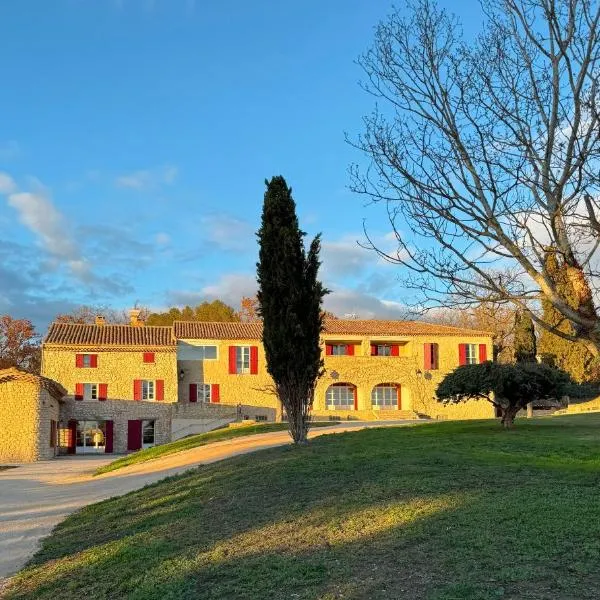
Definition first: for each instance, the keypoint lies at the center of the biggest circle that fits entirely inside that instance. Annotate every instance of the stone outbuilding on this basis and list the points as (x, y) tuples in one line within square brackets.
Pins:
[(29, 416)]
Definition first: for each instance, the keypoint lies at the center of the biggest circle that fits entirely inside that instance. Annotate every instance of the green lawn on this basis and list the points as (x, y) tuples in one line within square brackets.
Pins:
[(442, 511), (193, 441)]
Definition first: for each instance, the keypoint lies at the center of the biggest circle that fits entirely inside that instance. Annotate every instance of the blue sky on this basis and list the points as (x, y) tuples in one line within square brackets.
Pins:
[(136, 136)]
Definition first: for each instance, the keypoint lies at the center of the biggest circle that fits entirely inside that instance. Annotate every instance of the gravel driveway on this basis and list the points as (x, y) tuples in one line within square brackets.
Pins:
[(34, 498)]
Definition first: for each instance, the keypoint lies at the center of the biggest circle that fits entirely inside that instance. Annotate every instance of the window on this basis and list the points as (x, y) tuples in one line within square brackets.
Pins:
[(260, 417), (90, 391), (53, 433), (203, 392), (384, 350), (339, 349), (148, 390), (385, 396), (471, 354), (431, 354), (147, 434), (242, 359), (340, 397), (86, 361), (186, 351)]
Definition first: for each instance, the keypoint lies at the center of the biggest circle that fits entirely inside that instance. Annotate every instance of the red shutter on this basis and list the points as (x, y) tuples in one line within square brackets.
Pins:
[(355, 399), (349, 349), (399, 392), (137, 389), (328, 349), (193, 392), (108, 437), (215, 393), (102, 391), (427, 357), (254, 360), (232, 360), (482, 353), (435, 356), (395, 350), (462, 354), (148, 357), (160, 389), (373, 350), (134, 434), (79, 391), (93, 361), (72, 437), (79, 361)]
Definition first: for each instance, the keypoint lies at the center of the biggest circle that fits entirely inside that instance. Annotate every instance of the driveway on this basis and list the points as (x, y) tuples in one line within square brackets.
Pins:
[(34, 498)]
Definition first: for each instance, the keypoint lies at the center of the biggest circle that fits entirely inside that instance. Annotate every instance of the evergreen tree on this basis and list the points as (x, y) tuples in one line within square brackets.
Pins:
[(290, 298), (525, 342), (572, 357)]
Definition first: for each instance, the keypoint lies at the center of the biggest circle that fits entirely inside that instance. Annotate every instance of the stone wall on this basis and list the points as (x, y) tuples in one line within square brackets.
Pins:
[(120, 412), (19, 421), (362, 370), (49, 410), (118, 368)]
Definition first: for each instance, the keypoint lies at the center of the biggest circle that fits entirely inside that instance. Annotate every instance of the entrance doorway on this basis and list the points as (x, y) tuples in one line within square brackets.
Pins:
[(147, 434), (91, 437)]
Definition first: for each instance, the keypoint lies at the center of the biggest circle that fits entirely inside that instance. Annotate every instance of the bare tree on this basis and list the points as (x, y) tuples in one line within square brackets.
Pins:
[(486, 153)]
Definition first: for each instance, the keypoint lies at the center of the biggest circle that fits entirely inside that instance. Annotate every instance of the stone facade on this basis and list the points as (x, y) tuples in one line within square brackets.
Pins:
[(120, 412), (29, 415), (361, 370)]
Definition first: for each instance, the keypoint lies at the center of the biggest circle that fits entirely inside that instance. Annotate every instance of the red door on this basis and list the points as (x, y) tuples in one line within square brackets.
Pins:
[(134, 434), (72, 437), (108, 437)]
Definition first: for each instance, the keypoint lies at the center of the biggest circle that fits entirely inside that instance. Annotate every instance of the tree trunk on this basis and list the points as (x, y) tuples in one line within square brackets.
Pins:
[(530, 410), (508, 417), (298, 424)]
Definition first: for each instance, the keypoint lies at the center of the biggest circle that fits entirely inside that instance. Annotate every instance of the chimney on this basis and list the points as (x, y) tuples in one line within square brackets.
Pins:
[(134, 318), (100, 320)]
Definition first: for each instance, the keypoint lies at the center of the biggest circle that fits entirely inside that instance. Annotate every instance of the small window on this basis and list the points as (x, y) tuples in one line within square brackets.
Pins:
[(148, 390), (472, 358), (242, 359), (203, 392), (339, 349), (148, 434), (384, 350), (340, 397), (260, 417), (90, 391), (385, 396)]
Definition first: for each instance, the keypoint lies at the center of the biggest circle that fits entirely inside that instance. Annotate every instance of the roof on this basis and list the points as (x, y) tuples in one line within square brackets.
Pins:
[(199, 330), (14, 374), (78, 334)]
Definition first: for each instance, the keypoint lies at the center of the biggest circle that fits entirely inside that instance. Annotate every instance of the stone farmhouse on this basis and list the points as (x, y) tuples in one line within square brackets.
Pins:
[(119, 388)]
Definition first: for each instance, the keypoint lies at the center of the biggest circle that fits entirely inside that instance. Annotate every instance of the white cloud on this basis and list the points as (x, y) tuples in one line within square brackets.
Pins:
[(344, 257), (228, 232), (229, 288), (148, 179), (344, 302), (38, 213), (162, 239), (7, 184)]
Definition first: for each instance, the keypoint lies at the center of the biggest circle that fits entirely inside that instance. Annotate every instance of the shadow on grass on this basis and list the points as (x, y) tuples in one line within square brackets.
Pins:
[(372, 514)]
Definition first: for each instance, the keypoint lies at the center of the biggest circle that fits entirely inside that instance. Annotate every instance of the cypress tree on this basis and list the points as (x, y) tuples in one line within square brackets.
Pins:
[(572, 357), (525, 342), (290, 298)]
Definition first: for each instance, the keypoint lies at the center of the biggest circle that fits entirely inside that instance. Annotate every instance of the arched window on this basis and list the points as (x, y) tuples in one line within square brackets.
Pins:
[(340, 396), (386, 396)]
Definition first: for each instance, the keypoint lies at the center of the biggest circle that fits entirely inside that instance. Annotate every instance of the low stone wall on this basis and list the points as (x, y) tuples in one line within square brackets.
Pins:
[(121, 411)]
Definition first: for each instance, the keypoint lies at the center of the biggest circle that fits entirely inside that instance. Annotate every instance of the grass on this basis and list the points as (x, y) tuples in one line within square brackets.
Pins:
[(442, 511), (193, 441)]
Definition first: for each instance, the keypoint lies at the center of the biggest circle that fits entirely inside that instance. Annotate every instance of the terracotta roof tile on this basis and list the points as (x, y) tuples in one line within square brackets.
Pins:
[(253, 331), (76, 334), (14, 374)]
